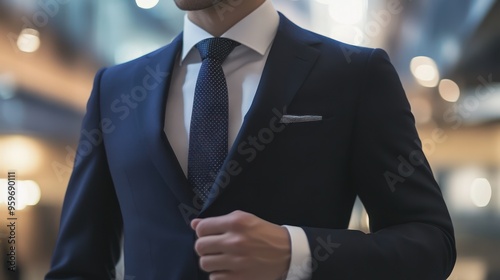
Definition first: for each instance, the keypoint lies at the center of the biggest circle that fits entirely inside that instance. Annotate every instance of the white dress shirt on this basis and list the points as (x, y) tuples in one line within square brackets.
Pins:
[(243, 70)]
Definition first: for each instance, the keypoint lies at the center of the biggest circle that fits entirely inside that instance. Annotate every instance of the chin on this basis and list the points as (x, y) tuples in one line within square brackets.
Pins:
[(194, 5)]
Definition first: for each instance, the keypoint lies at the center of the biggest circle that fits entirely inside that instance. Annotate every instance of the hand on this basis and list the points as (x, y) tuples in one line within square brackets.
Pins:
[(241, 246)]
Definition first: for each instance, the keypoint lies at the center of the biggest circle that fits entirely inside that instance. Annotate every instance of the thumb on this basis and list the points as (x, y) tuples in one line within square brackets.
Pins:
[(194, 223)]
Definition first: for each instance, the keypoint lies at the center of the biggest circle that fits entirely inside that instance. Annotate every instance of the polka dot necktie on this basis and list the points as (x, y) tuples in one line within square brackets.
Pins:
[(208, 137)]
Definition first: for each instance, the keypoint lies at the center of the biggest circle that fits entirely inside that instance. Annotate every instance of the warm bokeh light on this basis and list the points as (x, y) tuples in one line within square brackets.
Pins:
[(480, 192), (29, 40), (449, 90), (425, 70), (147, 4), (348, 12), (20, 153), (463, 185), (27, 193)]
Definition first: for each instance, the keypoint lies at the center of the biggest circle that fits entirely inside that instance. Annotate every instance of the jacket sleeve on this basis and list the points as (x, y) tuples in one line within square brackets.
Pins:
[(411, 231), (88, 245)]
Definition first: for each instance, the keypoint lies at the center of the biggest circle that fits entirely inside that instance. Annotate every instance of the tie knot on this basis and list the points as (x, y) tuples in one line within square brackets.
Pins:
[(216, 48)]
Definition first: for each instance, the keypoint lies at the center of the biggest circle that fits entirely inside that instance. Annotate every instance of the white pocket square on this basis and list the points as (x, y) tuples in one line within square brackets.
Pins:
[(299, 119)]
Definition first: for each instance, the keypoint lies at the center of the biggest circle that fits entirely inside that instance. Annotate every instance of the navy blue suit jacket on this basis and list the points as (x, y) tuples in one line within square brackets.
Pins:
[(127, 180)]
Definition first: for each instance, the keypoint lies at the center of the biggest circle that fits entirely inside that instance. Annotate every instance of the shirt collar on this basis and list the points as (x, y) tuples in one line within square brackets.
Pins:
[(256, 31)]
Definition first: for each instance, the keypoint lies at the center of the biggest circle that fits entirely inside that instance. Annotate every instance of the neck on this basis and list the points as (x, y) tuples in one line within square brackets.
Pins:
[(218, 18)]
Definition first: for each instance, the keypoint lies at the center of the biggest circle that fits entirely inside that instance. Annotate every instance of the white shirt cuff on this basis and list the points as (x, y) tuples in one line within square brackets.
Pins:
[(300, 263)]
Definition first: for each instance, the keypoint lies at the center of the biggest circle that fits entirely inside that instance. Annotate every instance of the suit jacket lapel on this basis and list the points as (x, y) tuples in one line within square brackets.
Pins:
[(290, 61), (150, 116)]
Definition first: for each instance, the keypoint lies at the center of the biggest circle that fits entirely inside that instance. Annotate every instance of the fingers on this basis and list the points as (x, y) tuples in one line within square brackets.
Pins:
[(210, 245), (222, 275), (242, 246), (212, 226), (218, 263), (234, 221), (194, 223)]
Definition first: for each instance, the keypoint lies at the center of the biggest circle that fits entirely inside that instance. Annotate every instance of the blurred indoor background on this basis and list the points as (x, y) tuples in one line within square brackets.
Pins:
[(447, 53)]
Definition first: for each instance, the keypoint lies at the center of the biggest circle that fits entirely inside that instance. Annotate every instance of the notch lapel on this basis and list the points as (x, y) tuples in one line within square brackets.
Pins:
[(150, 117), (290, 60)]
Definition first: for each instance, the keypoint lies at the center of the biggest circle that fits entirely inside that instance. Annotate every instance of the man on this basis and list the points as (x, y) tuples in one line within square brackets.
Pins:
[(240, 156)]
